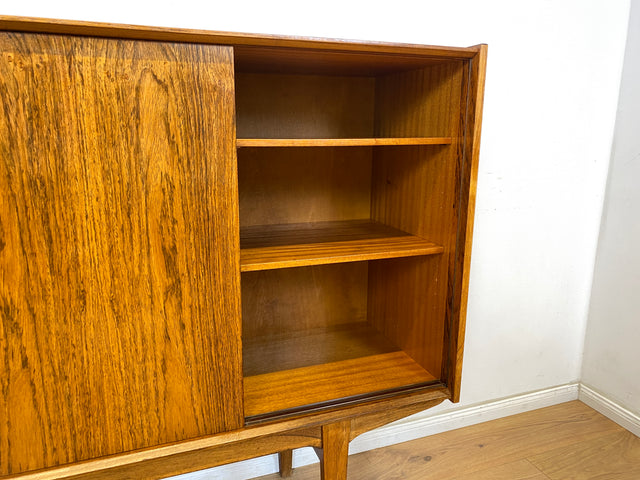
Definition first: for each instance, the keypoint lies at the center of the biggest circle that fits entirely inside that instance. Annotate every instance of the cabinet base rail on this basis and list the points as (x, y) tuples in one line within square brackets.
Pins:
[(329, 433)]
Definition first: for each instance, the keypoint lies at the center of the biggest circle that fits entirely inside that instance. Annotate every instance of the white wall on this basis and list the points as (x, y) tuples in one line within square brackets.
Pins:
[(612, 347), (552, 85)]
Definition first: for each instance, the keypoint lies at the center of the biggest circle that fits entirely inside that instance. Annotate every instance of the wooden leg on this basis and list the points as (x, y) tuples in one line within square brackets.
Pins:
[(334, 453), (285, 460)]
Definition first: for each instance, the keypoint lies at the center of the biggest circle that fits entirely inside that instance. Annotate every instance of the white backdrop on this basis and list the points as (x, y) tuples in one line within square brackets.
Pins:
[(612, 352), (553, 79)]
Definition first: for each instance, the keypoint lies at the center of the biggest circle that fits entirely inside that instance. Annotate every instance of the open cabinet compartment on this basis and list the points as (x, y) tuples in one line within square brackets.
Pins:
[(349, 202), (168, 188)]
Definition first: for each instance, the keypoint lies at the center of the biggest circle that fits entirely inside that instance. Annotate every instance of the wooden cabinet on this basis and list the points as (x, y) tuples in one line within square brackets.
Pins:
[(216, 246)]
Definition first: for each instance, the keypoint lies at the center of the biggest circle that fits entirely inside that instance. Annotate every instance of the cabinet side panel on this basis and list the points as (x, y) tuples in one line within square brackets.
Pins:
[(119, 249), (408, 297), (417, 189), (474, 94), (407, 306), (419, 103)]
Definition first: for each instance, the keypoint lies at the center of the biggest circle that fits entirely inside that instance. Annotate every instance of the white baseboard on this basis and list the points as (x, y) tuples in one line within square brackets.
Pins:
[(411, 428), (610, 409), (427, 423)]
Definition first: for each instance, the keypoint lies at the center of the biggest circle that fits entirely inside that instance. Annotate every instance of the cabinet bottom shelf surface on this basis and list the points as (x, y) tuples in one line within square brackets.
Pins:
[(336, 370)]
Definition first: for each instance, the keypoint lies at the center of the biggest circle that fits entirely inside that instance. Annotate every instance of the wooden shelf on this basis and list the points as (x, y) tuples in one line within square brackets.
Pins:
[(268, 247), (293, 389), (339, 142)]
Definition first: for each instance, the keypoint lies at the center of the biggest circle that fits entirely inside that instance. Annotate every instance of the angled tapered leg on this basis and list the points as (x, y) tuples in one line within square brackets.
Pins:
[(285, 461), (334, 453)]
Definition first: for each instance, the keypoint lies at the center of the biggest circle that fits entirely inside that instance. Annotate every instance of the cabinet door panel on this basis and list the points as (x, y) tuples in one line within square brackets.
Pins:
[(119, 249)]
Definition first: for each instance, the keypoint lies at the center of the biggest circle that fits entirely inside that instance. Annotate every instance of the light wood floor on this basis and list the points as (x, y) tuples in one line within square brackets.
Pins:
[(567, 441)]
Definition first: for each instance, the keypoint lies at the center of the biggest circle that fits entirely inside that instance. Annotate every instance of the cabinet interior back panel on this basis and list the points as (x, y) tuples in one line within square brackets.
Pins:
[(304, 106), (301, 299), (119, 286), (293, 185)]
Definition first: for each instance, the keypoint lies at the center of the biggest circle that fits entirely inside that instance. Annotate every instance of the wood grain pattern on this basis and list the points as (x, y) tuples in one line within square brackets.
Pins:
[(271, 258), (304, 106), (120, 256), (416, 190), (285, 463), (171, 460), (294, 185), (567, 441), (366, 423), (419, 103), (329, 242), (283, 44), (279, 302), (335, 451), (119, 283), (410, 312), (290, 389), (461, 453), (302, 348), (518, 470), (412, 191), (339, 142), (612, 456), (473, 94), (260, 236), (412, 187), (253, 59), (160, 462)]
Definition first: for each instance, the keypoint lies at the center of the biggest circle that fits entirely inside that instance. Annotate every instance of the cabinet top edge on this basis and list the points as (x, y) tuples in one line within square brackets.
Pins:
[(139, 32)]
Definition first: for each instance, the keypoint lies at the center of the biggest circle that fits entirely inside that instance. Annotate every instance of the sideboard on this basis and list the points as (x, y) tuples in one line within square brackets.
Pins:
[(216, 246)]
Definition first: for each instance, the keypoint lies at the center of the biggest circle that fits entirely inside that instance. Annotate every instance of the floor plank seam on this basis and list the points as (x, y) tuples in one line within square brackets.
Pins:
[(561, 442)]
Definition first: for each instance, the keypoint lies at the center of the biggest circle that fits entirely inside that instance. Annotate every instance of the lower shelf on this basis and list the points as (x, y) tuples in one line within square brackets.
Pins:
[(289, 390)]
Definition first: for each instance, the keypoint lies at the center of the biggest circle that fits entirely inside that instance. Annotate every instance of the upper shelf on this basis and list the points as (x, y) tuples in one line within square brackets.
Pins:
[(339, 142), (269, 247)]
